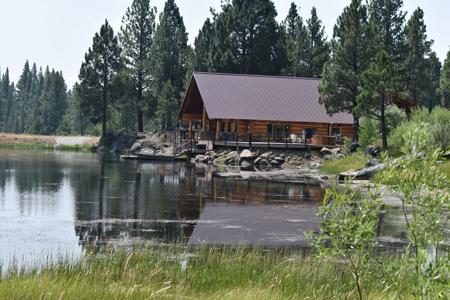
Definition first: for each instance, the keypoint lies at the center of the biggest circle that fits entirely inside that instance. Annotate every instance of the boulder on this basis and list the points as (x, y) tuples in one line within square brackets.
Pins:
[(363, 174), (141, 136), (202, 159), (122, 142), (373, 162), (354, 147), (234, 155), (147, 151), (307, 155), (280, 160), (136, 147), (328, 157), (245, 165), (266, 155), (261, 162), (275, 163), (340, 156), (247, 154), (373, 151)]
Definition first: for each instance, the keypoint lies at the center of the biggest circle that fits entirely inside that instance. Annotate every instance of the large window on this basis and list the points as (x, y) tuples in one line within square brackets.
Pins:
[(278, 132)]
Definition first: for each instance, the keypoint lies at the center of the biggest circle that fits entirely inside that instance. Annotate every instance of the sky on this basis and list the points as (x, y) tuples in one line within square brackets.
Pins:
[(58, 32)]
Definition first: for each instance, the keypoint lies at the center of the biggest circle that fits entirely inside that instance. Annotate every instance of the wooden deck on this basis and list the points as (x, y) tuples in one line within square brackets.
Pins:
[(272, 145)]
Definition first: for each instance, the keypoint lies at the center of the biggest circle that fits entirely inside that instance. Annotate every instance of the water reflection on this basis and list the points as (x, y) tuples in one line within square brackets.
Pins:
[(53, 203)]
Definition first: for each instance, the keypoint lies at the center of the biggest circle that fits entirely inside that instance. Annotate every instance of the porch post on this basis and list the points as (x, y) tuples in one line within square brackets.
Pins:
[(190, 129), (204, 119), (218, 130)]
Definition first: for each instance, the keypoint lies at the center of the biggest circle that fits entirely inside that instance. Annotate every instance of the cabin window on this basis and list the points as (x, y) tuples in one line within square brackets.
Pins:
[(278, 129), (308, 133), (336, 131)]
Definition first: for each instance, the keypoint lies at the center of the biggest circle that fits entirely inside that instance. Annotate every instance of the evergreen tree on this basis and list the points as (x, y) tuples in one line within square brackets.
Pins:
[(444, 86), (247, 39), (167, 106), (101, 65), (297, 43), (432, 77), (319, 49), (136, 37), (350, 58), (389, 19), (202, 47), (379, 84), (23, 104), (4, 90), (171, 51), (418, 49)]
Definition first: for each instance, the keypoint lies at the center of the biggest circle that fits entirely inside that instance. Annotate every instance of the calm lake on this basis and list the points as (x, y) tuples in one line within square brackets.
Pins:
[(56, 204)]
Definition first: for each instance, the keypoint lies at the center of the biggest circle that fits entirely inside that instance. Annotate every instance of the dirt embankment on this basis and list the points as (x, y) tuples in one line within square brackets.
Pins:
[(28, 139)]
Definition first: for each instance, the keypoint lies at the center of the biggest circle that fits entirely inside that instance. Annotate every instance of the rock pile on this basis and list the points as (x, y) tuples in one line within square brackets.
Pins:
[(248, 160)]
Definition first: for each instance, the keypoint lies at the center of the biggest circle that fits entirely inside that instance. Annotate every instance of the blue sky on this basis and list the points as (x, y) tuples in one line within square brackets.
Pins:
[(58, 32)]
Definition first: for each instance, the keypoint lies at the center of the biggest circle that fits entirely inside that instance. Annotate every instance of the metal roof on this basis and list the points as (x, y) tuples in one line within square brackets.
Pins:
[(268, 98)]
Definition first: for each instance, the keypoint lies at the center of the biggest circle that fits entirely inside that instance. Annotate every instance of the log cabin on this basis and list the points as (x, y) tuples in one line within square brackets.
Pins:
[(266, 111)]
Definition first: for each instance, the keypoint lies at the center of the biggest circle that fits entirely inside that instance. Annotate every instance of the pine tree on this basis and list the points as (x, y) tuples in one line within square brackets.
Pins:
[(202, 46), (136, 37), (247, 39), (4, 89), (444, 86), (101, 65), (350, 57), (379, 84), (297, 43), (418, 49), (319, 49), (389, 20), (171, 51), (24, 99), (432, 77), (167, 106)]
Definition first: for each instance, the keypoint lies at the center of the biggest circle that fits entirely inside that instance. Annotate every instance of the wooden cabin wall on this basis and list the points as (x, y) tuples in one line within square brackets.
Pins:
[(260, 127)]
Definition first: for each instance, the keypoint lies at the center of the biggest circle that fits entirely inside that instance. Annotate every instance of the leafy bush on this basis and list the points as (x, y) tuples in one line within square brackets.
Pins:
[(368, 134), (437, 126)]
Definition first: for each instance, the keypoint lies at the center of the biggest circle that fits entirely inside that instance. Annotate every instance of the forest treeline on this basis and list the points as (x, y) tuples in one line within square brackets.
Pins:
[(134, 79)]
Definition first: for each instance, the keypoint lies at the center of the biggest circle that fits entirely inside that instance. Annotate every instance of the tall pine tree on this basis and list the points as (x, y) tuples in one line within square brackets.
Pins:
[(418, 49), (379, 84), (444, 86), (102, 63), (297, 43), (202, 47), (342, 78), (170, 54), (247, 39), (136, 37), (319, 49)]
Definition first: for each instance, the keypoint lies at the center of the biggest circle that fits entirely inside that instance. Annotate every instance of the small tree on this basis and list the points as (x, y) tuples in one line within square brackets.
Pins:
[(425, 197), (348, 230), (379, 83), (444, 86)]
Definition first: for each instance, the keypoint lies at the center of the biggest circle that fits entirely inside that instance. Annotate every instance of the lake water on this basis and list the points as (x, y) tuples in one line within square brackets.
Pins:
[(55, 204)]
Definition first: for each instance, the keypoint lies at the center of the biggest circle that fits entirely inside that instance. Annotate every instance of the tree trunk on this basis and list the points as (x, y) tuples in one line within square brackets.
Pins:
[(356, 128), (104, 106), (140, 120), (140, 98), (383, 122)]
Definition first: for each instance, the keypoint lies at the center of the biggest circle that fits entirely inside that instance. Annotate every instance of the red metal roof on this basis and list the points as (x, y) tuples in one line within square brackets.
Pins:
[(268, 98)]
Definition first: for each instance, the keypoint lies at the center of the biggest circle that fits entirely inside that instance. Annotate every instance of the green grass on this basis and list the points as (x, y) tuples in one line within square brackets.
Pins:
[(349, 163), (28, 146), (210, 274), (76, 148), (44, 146), (445, 167)]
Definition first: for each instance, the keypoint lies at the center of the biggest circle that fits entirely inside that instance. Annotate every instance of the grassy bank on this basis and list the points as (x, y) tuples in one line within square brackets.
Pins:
[(209, 274), (42, 142), (349, 163)]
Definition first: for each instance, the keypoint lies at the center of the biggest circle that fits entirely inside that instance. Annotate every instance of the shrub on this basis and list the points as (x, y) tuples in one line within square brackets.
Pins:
[(368, 134)]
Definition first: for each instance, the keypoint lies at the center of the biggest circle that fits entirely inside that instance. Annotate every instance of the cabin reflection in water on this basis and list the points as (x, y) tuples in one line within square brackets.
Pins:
[(182, 203)]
